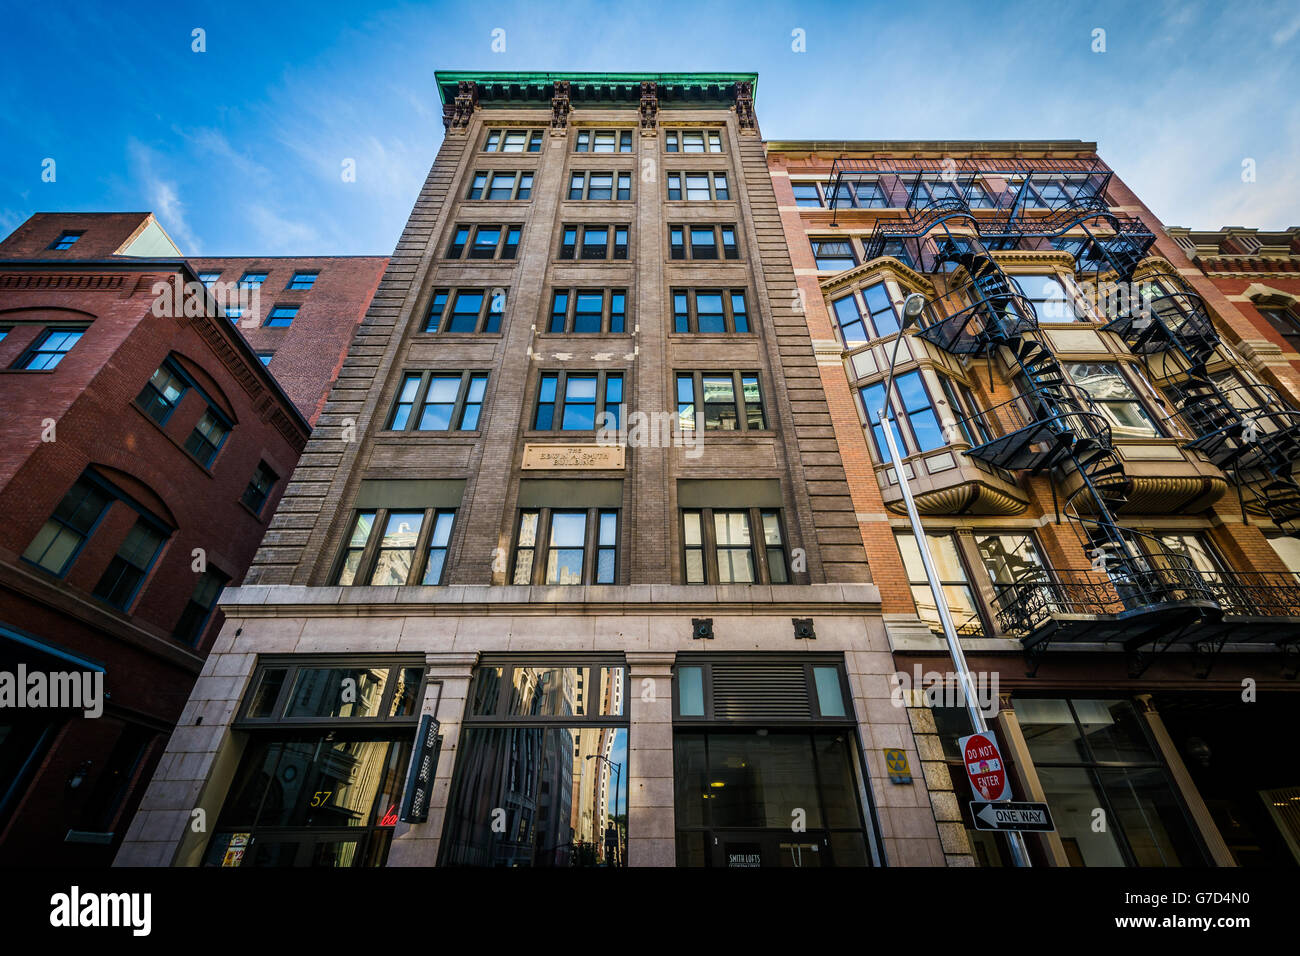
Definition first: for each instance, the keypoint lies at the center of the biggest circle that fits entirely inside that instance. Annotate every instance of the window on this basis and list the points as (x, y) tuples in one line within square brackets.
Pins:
[(443, 398), (594, 242), (511, 184), (603, 141), (161, 394), (66, 240), (713, 395), (281, 316), (472, 310), (579, 401), (807, 194), (1115, 398), (122, 577), (410, 549), (1096, 755), (607, 184), (693, 141), (545, 739), (1052, 303), (722, 546), (868, 194), (699, 186), (49, 349), (911, 405), (952, 578), (198, 609), (490, 242), (259, 488), (710, 311), (306, 795), (208, 435), (881, 309), (969, 417), (1283, 319), (513, 141), (703, 242), (897, 248), (588, 311), (853, 331), (1010, 557), (833, 255), (302, 281), (209, 278), (252, 280), (265, 357), (577, 546), (60, 539)]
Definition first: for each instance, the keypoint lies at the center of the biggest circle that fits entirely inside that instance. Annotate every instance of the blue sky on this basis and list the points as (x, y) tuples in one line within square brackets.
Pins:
[(239, 149)]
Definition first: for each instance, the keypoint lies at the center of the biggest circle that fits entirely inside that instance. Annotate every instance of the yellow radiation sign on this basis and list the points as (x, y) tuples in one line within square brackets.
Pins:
[(900, 771)]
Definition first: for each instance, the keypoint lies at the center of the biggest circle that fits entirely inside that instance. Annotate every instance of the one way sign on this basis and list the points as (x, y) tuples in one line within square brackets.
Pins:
[(1011, 816)]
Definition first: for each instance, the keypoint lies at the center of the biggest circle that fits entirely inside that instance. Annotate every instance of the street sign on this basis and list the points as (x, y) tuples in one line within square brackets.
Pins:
[(900, 771), (1011, 816), (984, 766)]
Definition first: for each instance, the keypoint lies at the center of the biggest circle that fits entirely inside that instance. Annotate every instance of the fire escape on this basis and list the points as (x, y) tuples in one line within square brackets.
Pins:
[(1137, 592)]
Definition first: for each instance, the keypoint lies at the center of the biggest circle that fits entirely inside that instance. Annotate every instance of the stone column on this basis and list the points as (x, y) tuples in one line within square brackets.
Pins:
[(651, 837), (1013, 742), (445, 692), (1200, 813)]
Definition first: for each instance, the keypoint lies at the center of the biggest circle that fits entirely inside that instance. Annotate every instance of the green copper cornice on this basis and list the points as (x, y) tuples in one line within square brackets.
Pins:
[(507, 87)]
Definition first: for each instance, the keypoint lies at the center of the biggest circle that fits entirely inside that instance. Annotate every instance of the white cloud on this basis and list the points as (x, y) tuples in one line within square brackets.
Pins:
[(162, 196)]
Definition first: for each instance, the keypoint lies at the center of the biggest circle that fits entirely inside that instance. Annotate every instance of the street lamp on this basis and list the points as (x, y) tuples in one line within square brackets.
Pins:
[(913, 306), (618, 776)]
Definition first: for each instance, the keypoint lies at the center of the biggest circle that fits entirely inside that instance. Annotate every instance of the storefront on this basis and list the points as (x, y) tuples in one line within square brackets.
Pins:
[(325, 746), (766, 763)]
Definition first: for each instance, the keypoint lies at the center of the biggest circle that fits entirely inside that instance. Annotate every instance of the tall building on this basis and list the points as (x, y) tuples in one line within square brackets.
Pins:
[(145, 449), (576, 495), (1101, 440)]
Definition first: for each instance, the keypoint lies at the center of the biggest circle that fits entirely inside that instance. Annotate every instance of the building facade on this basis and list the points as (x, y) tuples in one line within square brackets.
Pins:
[(576, 496), (146, 447), (1101, 441)]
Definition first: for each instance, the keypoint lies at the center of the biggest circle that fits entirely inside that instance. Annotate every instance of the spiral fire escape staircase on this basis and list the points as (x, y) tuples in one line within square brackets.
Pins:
[(1137, 592)]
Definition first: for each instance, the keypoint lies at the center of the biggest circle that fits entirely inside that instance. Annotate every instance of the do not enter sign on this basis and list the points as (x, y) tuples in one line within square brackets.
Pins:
[(984, 766)]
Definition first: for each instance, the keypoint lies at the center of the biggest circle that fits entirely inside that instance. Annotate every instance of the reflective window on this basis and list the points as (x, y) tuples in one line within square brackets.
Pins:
[(955, 585)]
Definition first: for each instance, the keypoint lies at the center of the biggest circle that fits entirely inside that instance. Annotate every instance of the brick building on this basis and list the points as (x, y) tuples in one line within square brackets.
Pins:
[(652, 642), (1101, 441), (146, 447)]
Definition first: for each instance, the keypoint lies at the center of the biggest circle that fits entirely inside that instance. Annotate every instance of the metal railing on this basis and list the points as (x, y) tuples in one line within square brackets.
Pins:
[(1123, 584)]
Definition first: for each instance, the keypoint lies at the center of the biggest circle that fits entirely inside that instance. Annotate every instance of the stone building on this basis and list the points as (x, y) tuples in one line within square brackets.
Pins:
[(576, 495)]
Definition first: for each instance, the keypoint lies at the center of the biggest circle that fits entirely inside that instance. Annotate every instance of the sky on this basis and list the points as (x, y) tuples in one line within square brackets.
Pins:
[(239, 149)]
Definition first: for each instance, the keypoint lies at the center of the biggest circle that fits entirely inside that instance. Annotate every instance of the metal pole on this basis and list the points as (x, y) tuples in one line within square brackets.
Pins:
[(1018, 852)]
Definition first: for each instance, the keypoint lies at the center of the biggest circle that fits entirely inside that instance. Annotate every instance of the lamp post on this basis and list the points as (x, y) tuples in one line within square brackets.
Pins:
[(618, 776), (913, 306)]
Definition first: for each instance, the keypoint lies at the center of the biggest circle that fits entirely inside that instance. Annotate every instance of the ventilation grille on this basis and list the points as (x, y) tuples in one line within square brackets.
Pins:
[(760, 692)]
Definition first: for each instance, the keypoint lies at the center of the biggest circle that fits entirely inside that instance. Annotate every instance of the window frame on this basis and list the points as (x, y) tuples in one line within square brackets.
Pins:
[(620, 185), (599, 407), (24, 361), (846, 241), (301, 282), (576, 251), (675, 140), (262, 470), (540, 552), (520, 188), (451, 297), (271, 320), (713, 177), (691, 314), (420, 401), (609, 297), (368, 553), (495, 137), (738, 378), (759, 548), (503, 251)]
